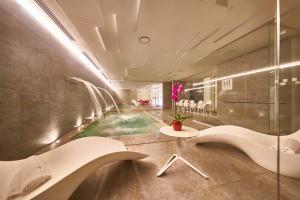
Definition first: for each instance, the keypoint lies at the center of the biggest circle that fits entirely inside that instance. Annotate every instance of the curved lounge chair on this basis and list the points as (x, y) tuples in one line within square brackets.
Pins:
[(71, 163), (256, 145)]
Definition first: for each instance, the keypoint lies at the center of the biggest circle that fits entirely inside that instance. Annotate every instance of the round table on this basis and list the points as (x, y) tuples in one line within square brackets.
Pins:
[(186, 132)]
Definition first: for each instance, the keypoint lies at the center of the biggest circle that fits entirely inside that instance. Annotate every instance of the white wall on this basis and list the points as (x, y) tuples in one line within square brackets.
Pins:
[(144, 94), (153, 93)]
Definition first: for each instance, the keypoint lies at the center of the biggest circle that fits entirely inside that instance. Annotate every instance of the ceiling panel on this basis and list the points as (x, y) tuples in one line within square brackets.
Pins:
[(182, 33)]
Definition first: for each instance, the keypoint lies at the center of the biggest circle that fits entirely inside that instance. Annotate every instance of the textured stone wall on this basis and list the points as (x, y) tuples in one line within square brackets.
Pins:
[(37, 103)]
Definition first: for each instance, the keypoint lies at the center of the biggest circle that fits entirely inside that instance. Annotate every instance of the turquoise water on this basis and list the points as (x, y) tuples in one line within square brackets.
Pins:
[(122, 124)]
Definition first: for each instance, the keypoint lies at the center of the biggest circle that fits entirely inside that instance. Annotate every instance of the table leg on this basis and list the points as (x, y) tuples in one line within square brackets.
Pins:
[(178, 146), (175, 157), (167, 164), (170, 159), (193, 167)]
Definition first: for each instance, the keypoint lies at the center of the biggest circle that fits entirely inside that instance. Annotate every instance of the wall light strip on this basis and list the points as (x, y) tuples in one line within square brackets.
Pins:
[(282, 66), (198, 88), (100, 37), (290, 64), (46, 22)]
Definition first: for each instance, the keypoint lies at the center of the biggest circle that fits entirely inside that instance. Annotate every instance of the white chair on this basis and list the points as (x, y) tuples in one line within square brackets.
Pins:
[(193, 106), (207, 107), (134, 103), (258, 146), (200, 107), (186, 105), (69, 165), (179, 104)]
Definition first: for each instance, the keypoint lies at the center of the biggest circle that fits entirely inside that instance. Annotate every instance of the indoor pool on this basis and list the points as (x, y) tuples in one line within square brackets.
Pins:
[(122, 124)]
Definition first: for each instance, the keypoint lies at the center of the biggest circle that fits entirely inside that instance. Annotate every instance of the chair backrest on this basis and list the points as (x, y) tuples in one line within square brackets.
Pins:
[(186, 103), (207, 105), (200, 104), (134, 102), (193, 105)]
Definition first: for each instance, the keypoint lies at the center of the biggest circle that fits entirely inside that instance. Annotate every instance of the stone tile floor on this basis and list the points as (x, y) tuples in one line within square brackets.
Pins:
[(232, 174)]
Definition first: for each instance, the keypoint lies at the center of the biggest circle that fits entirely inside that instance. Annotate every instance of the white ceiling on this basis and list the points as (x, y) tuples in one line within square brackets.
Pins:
[(182, 33)]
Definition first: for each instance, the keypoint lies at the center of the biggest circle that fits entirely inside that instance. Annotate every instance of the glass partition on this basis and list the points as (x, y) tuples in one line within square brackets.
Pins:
[(239, 83), (253, 82), (289, 87), (289, 100)]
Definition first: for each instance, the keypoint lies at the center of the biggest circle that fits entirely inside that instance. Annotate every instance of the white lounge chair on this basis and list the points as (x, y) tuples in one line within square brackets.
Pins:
[(70, 164), (257, 146)]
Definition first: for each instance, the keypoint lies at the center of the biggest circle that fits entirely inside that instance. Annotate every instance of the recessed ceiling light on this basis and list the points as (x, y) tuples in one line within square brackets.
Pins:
[(144, 40)]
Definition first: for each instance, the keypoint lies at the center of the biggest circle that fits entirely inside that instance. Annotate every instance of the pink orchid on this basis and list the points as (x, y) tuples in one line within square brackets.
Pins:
[(180, 88), (176, 89)]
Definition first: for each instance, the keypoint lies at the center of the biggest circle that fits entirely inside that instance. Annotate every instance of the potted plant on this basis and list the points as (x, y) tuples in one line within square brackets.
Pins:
[(178, 119), (177, 122)]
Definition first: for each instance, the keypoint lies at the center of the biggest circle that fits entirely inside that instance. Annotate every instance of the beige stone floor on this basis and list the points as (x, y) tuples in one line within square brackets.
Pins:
[(232, 174)]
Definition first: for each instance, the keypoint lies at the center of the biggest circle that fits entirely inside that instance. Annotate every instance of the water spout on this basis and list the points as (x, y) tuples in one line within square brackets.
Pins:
[(100, 95), (116, 106), (91, 89)]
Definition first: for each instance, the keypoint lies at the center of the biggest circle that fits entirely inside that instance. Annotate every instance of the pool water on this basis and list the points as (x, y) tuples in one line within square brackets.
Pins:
[(122, 124)]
